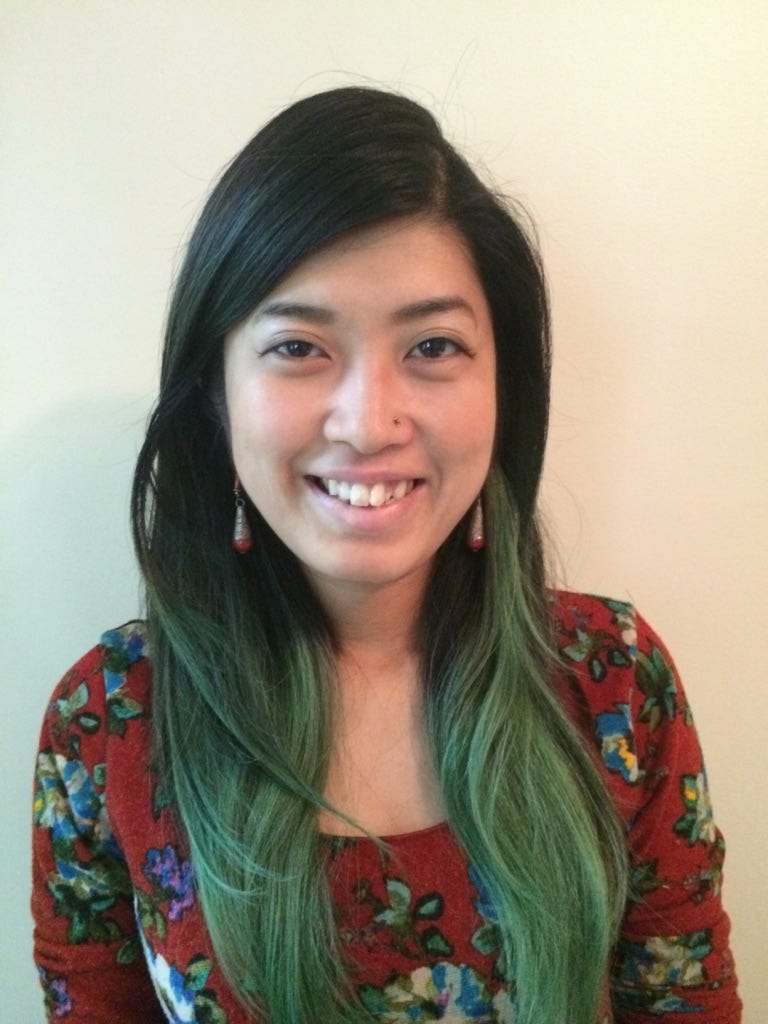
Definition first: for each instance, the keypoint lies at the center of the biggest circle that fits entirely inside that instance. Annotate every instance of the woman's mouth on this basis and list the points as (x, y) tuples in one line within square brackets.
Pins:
[(361, 495)]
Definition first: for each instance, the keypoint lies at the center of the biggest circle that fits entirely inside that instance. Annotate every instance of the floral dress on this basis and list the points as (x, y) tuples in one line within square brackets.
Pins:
[(120, 937)]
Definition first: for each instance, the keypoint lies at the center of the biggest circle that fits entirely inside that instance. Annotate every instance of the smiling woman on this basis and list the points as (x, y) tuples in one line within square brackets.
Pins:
[(370, 366), (366, 766)]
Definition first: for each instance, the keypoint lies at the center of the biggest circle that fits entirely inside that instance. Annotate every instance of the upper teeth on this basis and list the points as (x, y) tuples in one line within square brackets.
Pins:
[(364, 495)]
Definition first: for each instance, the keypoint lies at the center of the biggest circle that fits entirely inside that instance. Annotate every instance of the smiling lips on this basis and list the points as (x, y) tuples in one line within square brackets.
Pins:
[(366, 495)]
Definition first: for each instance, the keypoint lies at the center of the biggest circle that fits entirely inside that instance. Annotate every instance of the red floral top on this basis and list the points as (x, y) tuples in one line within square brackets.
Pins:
[(120, 937)]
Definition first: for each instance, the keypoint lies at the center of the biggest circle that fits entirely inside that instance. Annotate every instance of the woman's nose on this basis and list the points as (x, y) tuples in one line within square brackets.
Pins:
[(368, 409)]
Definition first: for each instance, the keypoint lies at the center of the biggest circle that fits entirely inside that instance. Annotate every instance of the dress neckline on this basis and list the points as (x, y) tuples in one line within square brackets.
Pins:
[(396, 839)]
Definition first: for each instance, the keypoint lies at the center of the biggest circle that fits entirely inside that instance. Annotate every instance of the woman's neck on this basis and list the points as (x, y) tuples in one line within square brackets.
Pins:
[(375, 625), (381, 771)]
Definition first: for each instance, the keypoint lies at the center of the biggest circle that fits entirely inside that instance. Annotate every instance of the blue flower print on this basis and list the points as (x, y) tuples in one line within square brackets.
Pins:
[(128, 641), (68, 804), (614, 730), (451, 992), (183, 997)]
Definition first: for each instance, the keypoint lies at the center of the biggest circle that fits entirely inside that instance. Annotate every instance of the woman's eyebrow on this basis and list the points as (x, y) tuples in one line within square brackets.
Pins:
[(296, 311), (321, 315), (428, 307)]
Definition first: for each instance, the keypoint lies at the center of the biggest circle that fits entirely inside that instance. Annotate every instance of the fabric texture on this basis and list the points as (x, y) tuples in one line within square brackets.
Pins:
[(120, 937)]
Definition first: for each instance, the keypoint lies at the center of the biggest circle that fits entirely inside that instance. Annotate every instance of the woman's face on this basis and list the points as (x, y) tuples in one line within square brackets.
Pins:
[(361, 402)]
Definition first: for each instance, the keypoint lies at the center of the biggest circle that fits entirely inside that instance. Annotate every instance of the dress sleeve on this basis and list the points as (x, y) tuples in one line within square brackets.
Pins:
[(87, 949), (673, 961)]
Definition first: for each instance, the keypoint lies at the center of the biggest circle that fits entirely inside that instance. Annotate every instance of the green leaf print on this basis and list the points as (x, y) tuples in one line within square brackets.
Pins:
[(197, 973), (644, 879), (150, 916), (429, 906), (597, 670), (619, 659), (486, 939), (403, 916), (88, 722), (207, 1009), (85, 891), (597, 650), (657, 681), (120, 710), (399, 896), (103, 930), (585, 645), (129, 951), (67, 707), (697, 824), (435, 943)]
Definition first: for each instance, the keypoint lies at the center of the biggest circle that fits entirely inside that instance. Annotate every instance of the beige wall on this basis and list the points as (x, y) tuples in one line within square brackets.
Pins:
[(637, 135)]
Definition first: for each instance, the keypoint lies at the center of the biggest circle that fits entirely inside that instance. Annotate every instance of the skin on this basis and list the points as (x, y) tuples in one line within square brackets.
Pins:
[(372, 362)]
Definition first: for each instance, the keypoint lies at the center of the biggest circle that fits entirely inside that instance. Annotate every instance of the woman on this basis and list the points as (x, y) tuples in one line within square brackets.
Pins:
[(385, 775)]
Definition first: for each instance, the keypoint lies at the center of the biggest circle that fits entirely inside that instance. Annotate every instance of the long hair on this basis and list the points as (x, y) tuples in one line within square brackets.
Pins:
[(243, 654)]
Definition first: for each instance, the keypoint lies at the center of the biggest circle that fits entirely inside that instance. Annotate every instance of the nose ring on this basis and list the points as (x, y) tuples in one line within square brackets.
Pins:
[(396, 421)]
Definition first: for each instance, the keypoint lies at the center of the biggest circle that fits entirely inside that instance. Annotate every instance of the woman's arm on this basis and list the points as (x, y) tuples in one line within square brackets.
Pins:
[(87, 948), (673, 960)]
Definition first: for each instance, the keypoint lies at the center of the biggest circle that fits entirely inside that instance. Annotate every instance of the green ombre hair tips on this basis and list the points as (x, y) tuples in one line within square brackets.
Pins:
[(244, 655)]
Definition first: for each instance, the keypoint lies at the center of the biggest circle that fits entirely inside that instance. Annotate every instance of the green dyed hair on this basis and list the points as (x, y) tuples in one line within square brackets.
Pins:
[(243, 654)]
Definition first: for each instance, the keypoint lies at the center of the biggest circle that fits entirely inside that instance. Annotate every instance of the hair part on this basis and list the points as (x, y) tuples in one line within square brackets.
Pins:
[(245, 754)]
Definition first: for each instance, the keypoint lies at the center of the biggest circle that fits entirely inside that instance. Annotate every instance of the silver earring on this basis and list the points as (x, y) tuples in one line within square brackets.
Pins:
[(242, 540), (476, 530)]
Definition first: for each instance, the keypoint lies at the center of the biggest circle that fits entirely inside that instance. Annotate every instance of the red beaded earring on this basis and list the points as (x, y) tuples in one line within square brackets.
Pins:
[(242, 540), (476, 530)]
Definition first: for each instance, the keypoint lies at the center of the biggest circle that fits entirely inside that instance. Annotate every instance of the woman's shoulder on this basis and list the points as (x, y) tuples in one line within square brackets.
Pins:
[(577, 610), (602, 636), (620, 685), (115, 654), (107, 688)]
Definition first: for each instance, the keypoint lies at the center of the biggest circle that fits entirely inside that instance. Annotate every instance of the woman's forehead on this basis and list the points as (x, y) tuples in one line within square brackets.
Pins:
[(417, 264)]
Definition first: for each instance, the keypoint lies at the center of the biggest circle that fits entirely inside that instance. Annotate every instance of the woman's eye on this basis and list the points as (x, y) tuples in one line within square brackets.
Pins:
[(296, 349), (435, 348)]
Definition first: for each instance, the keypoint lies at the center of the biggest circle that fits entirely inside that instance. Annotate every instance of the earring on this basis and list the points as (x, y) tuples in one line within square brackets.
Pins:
[(242, 541), (476, 531)]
